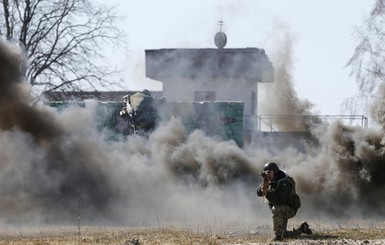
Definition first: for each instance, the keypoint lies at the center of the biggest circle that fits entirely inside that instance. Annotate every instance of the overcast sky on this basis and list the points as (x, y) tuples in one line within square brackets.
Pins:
[(322, 33)]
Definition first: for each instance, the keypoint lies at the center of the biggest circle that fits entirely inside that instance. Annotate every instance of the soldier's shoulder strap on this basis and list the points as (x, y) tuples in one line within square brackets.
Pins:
[(291, 181)]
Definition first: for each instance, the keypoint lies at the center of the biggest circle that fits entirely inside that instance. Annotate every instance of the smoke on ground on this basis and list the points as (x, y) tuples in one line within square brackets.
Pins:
[(57, 166)]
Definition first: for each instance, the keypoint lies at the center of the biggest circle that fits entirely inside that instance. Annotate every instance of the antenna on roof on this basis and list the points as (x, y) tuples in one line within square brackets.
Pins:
[(220, 38), (221, 23)]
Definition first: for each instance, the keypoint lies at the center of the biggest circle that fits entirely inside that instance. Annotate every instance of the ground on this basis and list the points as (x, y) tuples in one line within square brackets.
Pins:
[(180, 235)]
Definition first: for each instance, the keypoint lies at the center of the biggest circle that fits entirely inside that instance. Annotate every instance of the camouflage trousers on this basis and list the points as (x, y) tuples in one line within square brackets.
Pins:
[(281, 214)]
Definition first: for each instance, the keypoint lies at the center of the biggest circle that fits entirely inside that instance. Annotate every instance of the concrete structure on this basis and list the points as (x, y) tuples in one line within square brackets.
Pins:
[(212, 75), (217, 119)]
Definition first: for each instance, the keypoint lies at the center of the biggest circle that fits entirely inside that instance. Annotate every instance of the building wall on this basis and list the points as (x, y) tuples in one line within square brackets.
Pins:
[(218, 119), (233, 74), (241, 90)]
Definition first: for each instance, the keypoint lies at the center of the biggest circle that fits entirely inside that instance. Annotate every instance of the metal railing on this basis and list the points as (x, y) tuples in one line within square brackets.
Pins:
[(268, 120)]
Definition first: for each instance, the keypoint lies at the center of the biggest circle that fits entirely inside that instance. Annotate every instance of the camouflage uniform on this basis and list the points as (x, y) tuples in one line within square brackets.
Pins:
[(144, 112), (277, 196), (140, 112)]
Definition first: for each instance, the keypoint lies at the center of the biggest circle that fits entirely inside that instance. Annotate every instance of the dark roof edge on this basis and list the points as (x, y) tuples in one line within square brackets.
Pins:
[(206, 49)]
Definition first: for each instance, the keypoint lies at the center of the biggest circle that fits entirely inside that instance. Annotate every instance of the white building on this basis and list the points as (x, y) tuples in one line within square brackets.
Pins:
[(212, 75)]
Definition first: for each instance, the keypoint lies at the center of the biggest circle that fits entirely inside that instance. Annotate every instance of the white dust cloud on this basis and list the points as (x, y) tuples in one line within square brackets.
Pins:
[(56, 166), (341, 176)]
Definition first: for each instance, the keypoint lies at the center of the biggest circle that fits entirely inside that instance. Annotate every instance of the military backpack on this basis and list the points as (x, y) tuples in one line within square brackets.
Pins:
[(294, 201)]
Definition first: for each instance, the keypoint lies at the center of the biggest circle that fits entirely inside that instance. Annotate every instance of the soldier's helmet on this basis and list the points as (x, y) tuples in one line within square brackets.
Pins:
[(270, 166)]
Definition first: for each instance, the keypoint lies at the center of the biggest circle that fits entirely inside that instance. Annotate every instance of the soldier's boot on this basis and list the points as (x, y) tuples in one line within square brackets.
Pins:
[(277, 238), (279, 235), (291, 234), (304, 228), (296, 232)]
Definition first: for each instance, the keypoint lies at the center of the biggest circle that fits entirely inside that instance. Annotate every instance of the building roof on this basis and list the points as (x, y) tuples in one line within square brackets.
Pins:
[(92, 95), (247, 63)]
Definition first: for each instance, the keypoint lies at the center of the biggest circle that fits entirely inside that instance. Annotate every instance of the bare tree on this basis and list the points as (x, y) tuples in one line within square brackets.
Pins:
[(368, 60), (63, 40)]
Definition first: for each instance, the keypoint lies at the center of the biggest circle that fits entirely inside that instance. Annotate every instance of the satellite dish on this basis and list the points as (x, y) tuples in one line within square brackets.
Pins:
[(220, 40)]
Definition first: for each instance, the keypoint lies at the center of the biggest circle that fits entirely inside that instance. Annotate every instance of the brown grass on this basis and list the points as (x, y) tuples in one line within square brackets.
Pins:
[(120, 235), (168, 235)]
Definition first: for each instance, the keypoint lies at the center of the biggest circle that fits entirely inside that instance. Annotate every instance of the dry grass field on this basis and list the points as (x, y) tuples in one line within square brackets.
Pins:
[(174, 235)]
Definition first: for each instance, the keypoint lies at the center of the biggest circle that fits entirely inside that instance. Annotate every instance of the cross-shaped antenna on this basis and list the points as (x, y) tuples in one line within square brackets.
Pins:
[(221, 23)]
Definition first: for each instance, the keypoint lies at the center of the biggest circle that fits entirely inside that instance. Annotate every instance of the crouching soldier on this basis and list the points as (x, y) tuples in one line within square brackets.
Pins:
[(279, 189)]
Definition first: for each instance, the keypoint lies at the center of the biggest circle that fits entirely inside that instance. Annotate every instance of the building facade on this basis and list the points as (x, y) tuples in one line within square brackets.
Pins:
[(212, 75)]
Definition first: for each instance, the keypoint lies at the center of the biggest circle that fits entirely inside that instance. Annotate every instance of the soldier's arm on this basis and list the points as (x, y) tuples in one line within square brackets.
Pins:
[(280, 195)]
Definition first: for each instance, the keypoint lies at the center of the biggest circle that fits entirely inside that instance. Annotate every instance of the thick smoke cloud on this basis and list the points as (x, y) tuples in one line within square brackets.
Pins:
[(281, 98), (42, 163), (56, 166), (341, 177)]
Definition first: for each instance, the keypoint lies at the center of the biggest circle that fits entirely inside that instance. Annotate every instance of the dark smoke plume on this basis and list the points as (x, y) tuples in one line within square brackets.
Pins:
[(57, 170), (56, 166), (14, 98)]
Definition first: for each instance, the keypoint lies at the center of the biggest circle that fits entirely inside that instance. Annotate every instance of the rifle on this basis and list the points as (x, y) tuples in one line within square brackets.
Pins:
[(265, 184)]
